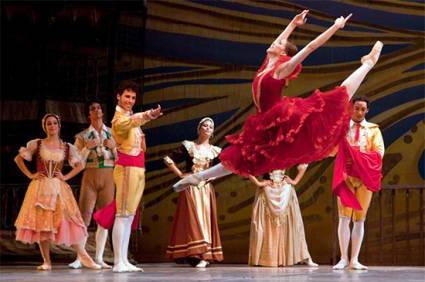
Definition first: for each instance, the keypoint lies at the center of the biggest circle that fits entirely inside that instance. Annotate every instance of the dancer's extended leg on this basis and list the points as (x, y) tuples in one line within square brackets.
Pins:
[(216, 171), (356, 78)]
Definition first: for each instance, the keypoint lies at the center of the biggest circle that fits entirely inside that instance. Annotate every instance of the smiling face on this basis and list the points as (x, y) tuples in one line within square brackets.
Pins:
[(206, 129), (360, 111), (127, 100), (51, 125)]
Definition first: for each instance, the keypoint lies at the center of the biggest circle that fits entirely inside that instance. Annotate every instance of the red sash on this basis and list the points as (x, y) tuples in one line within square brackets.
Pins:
[(351, 161)]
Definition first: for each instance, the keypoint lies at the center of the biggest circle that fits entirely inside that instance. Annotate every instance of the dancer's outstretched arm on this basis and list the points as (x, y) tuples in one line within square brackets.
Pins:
[(287, 68), (298, 20)]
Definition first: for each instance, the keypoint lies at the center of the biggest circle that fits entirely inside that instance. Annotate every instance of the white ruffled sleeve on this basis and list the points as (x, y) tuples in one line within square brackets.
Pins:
[(74, 156), (216, 151), (27, 152), (189, 146)]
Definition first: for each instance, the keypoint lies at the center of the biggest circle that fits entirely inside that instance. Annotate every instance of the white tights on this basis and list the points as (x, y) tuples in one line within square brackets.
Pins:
[(216, 171)]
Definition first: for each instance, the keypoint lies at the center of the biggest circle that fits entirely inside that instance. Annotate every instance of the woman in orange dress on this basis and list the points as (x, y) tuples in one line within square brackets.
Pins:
[(50, 213)]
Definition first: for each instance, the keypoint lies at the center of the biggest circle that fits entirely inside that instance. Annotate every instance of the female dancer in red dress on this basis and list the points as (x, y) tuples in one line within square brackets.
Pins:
[(287, 131)]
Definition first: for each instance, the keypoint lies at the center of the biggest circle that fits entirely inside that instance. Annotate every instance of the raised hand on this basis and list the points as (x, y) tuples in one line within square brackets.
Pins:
[(155, 113), (300, 19), (340, 22)]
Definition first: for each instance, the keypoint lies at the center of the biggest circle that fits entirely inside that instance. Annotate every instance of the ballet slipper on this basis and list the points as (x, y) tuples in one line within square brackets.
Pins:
[(76, 264), (341, 265), (357, 266), (311, 263), (87, 261), (120, 267), (371, 58), (202, 264), (44, 267), (103, 264), (133, 268)]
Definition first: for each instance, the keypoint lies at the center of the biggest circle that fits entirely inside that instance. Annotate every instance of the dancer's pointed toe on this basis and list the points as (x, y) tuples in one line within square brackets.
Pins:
[(372, 58)]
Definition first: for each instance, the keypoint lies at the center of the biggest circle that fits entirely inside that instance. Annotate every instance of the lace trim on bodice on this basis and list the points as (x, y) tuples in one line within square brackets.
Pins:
[(48, 154)]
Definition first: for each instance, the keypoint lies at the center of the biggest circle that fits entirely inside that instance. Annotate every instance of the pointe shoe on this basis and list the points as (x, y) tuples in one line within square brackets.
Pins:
[(133, 268), (186, 181), (341, 265), (202, 264), (371, 58), (76, 264), (103, 264), (120, 267), (44, 267), (357, 266), (311, 263), (87, 262)]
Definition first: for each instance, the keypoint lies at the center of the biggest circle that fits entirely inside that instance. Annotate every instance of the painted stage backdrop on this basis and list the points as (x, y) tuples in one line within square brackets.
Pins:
[(198, 58)]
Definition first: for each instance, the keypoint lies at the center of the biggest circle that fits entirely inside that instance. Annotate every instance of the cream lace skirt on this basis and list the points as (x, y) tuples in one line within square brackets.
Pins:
[(277, 233)]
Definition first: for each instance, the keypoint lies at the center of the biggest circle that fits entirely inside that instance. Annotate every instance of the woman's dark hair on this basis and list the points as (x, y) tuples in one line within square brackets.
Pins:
[(290, 48)]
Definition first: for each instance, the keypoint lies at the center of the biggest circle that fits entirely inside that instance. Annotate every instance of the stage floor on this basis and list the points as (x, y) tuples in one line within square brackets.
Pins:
[(217, 272)]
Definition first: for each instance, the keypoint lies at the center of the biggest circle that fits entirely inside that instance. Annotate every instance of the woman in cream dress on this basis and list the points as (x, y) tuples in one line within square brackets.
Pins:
[(277, 233), (49, 213)]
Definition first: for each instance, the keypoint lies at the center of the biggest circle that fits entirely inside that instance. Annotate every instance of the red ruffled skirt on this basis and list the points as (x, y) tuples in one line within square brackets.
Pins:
[(295, 130)]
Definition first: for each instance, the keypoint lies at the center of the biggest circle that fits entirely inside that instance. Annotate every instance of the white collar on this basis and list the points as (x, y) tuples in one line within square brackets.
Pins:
[(91, 128), (362, 123), (121, 110)]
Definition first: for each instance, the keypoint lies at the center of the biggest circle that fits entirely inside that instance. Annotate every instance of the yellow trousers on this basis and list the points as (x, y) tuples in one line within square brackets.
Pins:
[(130, 184), (363, 195)]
